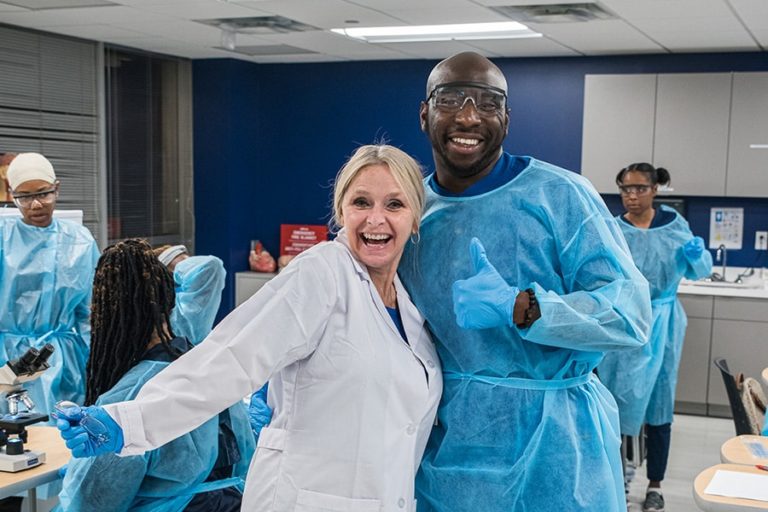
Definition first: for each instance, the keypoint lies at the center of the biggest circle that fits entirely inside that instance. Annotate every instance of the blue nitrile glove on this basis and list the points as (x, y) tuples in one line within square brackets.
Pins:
[(693, 248), (259, 412), (88, 431), (484, 300)]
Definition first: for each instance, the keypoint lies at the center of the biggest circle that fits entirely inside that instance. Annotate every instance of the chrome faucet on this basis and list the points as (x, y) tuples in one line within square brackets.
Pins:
[(721, 252)]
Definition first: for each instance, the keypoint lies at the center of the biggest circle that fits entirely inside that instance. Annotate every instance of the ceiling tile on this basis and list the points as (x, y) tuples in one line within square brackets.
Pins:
[(707, 41), (754, 13), (598, 37), (661, 9), (464, 14), (106, 33), (527, 2), (203, 9), (524, 47), (327, 14), (439, 50), (118, 15), (10, 8), (762, 37)]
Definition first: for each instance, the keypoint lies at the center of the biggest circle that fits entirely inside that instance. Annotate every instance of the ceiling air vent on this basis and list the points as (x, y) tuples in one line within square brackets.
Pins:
[(268, 50), (259, 25), (554, 13)]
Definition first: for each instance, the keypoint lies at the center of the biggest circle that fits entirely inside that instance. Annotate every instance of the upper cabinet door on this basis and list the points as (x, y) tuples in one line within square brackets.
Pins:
[(691, 139), (748, 145), (618, 126)]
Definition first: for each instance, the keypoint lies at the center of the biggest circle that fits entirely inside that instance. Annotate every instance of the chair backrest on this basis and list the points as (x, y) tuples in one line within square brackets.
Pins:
[(740, 419)]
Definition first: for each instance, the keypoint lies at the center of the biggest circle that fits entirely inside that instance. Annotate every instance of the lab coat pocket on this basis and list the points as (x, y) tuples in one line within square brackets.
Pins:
[(266, 467), (311, 501)]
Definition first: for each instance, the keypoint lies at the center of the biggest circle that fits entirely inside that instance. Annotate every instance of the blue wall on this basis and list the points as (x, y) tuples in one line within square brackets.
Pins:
[(270, 138)]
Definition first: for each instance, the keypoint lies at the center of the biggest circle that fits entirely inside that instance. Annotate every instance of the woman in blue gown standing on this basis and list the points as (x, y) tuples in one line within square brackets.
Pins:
[(46, 271), (643, 379)]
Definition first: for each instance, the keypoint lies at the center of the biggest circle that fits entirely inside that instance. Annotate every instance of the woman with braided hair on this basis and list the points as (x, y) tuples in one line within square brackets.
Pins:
[(132, 340)]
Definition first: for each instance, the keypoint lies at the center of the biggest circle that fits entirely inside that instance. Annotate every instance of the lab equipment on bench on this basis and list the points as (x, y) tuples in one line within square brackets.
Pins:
[(13, 434)]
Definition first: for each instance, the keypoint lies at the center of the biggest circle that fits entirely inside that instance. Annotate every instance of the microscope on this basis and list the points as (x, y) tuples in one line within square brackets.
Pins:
[(13, 456)]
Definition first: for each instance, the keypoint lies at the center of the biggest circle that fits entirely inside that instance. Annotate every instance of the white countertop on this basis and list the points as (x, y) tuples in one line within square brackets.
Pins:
[(755, 287)]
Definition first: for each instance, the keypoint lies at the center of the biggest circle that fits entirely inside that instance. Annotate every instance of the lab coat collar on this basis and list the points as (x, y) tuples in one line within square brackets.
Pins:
[(411, 317)]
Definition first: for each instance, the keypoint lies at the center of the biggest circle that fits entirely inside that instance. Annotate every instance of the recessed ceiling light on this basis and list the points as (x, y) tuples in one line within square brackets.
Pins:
[(461, 31)]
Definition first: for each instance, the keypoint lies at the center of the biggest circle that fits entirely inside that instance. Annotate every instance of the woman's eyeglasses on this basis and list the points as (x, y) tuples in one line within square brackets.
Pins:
[(43, 197), (639, 190)]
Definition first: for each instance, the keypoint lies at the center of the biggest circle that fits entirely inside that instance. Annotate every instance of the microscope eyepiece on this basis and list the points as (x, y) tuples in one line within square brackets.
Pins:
[(42, 356), (32, 360)]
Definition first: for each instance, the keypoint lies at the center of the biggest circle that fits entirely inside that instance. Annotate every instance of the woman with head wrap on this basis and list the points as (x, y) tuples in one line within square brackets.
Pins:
[(45, 283)]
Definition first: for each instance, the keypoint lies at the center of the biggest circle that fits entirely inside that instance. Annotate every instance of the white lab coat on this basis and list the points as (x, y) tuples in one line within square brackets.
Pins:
[(354, 404)]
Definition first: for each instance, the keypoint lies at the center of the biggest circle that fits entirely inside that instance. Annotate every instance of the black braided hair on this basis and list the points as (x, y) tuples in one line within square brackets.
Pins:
[(133, 295)]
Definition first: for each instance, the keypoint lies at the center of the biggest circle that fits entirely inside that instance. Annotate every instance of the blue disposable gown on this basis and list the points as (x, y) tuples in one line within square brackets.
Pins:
[(46, 277), (199, 281), (643, 380), (523, 424), (161, 480)]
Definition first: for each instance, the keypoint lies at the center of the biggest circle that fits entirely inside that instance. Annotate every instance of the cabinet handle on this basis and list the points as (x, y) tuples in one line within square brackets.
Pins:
[(758, 146)]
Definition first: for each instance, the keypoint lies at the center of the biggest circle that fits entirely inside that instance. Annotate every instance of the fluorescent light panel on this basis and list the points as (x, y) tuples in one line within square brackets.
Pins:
[(420, 33)]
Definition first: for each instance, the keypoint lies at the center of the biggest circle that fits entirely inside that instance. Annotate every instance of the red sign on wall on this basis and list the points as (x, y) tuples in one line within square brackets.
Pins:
[(297, 238)]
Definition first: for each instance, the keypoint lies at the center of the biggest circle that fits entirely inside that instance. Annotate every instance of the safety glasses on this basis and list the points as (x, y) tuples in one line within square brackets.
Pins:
[(43, 197), (453, 96), (639, 190)]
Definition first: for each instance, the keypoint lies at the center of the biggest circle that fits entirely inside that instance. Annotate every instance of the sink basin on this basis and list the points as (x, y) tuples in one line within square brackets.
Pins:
[(749, 284)]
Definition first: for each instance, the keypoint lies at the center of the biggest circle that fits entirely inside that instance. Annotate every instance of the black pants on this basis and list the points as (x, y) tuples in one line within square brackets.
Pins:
[(657, 441)]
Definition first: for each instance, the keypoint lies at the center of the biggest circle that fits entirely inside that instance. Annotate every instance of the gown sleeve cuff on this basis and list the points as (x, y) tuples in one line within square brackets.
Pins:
[(128, 416)]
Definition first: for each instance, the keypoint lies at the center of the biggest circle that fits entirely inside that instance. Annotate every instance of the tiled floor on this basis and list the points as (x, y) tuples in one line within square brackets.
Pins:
[(696, 442)]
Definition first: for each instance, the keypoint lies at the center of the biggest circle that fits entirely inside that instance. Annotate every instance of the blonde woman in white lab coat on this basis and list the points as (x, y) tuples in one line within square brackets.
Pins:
[(354, 377)]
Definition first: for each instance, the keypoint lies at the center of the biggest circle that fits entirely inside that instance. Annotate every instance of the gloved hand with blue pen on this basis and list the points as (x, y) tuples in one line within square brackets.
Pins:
[(484, 300), (87, 431), (259, 412), (694, 248)]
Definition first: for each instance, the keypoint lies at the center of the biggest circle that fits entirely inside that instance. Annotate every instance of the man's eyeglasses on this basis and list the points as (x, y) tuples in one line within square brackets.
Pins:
[(639, 190), (43, 197), (452, 97)]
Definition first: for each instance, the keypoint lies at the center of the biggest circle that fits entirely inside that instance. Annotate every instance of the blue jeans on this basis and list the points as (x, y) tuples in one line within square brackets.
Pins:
[(658, 438)]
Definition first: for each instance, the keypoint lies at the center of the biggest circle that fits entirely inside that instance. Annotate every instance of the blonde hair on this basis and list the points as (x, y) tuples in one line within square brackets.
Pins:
[(405, 170)]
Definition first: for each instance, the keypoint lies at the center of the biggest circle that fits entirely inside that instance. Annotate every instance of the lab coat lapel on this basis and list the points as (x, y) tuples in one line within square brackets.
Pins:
[(411, 331)]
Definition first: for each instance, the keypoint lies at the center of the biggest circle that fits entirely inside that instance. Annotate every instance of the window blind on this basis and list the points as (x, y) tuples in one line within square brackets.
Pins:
[(48, 104)]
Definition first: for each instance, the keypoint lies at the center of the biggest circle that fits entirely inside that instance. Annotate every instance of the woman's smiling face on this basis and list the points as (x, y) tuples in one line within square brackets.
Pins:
[(378, 219)]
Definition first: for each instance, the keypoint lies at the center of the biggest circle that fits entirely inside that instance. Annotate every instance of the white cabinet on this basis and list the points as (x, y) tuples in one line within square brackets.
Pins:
[(692, 380), (739, 332), (618, 126), (748, 143), (709, 129), (691, 131), (248, 283)]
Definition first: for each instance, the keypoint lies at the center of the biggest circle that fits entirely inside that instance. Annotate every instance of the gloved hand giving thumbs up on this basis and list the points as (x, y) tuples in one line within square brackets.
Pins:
[(484, 300)]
